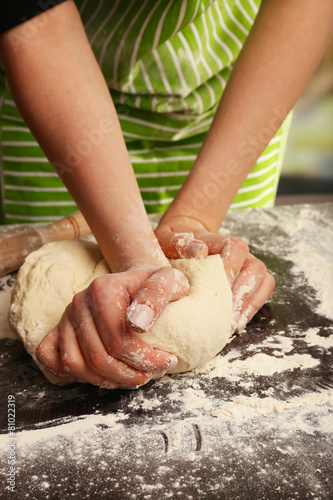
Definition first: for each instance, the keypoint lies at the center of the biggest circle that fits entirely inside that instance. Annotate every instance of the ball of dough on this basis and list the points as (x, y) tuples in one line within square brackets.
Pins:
[(194, 328), (198, 326), (46, 284)]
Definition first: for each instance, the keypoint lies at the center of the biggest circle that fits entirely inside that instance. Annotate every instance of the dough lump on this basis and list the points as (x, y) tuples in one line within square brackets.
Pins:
[(194, 328)]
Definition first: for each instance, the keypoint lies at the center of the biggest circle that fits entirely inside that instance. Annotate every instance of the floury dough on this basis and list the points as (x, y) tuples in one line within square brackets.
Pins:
[(198, 326), (194, 328), (46, 284)]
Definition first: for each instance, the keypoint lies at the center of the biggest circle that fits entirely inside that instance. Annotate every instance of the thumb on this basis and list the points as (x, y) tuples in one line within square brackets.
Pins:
[(165, 285), (180, 245)]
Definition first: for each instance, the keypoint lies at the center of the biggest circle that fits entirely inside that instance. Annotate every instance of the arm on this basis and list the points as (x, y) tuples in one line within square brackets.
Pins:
[(281, 53), (62, 95), (284, 47)]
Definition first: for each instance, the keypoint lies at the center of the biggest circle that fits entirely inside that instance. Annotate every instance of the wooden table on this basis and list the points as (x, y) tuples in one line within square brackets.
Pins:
[(240, 435)]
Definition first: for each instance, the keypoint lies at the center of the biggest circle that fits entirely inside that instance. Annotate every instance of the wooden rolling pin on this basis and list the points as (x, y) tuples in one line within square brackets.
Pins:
[(17, 243)]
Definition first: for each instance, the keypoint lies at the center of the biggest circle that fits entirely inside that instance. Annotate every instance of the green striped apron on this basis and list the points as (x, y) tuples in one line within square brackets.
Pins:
[(166, 63)]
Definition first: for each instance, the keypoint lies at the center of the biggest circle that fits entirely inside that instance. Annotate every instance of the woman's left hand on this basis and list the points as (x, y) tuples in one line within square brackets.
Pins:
[(251, 283)]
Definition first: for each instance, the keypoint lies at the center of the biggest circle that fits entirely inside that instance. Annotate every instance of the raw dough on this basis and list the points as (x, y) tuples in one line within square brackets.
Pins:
[(198, 326), (194, 328)]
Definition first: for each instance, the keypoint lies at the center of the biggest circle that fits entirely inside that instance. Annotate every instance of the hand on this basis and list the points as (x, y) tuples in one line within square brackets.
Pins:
[(95, 340), (251, 284)]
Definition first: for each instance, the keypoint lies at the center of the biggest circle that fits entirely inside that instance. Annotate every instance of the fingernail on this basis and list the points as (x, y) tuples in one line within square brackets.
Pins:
[(242, 323), (140, 317), (158, 374), (171, 363), (196, 250), (235, 316)]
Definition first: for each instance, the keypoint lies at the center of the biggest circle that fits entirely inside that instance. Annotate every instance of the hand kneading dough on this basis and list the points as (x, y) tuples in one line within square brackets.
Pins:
[(194, 328)]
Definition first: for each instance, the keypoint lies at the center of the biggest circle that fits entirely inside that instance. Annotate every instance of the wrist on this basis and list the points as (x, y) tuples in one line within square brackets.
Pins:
[(183, 214), (181, 222), (130, 250), (208, 191), (143, 258)]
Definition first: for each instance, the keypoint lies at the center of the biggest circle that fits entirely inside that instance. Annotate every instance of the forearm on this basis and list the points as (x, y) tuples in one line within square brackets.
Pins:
[(281, 53), (62, 95)]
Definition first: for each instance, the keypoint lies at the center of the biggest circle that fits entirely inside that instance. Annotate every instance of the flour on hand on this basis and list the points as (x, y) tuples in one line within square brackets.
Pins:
[(198, 326), (194, 328)]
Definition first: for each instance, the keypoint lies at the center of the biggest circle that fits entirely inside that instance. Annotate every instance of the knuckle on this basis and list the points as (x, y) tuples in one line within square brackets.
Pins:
[(97, 286), (98, 291), (261, 266), (181, 240), (271, 282), (40, 353), (241, 245), (115, 349), (258, 266), (77, 301), (97, 361), (168, 275), (180, 283), (159, 283), (70, 364), (154, 287), (180, 278)]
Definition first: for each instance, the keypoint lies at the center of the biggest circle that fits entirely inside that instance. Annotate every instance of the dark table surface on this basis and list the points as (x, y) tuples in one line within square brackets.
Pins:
[(257, 422)]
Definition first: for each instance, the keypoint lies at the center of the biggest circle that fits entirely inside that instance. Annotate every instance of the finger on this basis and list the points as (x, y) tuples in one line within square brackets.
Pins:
[(100, 365), (60, 353), (247, 284), (108, 301), (181, 245), (256, 301), (71, 355), (48, 354), (165, 285), (74, 369), (233, 251)]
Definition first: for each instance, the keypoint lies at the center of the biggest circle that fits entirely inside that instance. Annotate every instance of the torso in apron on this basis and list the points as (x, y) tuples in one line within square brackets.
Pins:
[(166, 64)]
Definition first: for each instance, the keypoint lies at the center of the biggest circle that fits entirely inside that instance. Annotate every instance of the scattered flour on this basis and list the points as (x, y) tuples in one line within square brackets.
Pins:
[(149, 405), (258, 365), (279, 342), (245, 408), (312, 338), (66, 429), (192, 399), (318, 272), (310, 249), (240, 424)]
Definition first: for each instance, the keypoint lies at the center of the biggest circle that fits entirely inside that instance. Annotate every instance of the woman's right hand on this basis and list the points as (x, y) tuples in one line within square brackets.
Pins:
[(95, 339)]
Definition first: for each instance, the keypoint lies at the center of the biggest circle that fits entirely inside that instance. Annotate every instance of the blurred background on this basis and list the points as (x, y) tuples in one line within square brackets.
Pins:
[(307, 173)]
